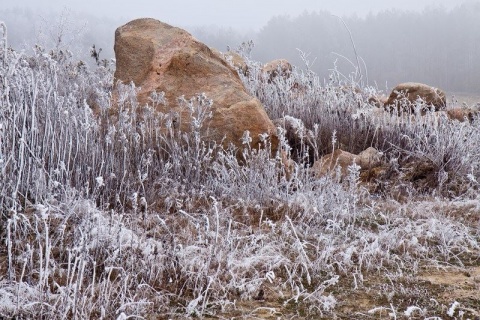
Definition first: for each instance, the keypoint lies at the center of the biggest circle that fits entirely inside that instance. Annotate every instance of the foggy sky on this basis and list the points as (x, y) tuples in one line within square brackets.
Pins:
[(238, 14)]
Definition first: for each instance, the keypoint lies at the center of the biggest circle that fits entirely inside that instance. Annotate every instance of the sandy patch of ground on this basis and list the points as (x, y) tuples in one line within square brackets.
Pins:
[(433, 292), (462, 285)]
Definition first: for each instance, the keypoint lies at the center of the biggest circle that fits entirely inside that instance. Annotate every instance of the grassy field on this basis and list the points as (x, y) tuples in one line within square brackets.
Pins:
[(110, 212)]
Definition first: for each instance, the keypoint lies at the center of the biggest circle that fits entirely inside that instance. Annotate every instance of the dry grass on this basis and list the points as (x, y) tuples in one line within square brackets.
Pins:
[(114, 213)]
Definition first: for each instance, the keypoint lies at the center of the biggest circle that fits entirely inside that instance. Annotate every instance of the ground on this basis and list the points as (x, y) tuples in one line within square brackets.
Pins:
[(430, 293)]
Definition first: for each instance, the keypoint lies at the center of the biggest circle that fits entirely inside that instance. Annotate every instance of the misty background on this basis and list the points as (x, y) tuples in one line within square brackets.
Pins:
[(434, 44)]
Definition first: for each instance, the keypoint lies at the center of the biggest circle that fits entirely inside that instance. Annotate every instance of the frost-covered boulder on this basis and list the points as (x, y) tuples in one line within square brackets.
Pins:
[(405, 95), (341, 160), (162, 58)]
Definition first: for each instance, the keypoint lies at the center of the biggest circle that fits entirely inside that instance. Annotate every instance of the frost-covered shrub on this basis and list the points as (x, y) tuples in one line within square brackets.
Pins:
[(108, 210), (343, 108)]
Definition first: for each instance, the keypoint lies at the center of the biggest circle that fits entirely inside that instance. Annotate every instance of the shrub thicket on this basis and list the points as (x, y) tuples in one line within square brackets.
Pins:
[(111, 212)]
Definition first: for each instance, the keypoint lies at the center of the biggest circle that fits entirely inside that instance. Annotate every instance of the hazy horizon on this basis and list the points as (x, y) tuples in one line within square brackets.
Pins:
[(427, 41), (241, 15)]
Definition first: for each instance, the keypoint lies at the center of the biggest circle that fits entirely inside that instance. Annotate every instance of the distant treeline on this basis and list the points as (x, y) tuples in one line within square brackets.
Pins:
[(65, 29), (437, 46)]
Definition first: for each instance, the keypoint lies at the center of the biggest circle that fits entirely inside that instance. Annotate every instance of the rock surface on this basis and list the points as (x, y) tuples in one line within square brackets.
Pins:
[(162, 58), (463, 114), (276, 68), (367, 159), (234, 59), (237, 61), (405, 95)]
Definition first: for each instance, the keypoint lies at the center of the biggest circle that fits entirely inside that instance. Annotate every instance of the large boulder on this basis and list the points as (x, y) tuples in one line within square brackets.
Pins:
[(405, 95), (367, 159), (158, 57)]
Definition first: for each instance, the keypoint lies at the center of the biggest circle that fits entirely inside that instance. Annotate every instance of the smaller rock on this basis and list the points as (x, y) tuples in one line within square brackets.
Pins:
[(461, 114), (367, 159), (276, 68), (404, 97)]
